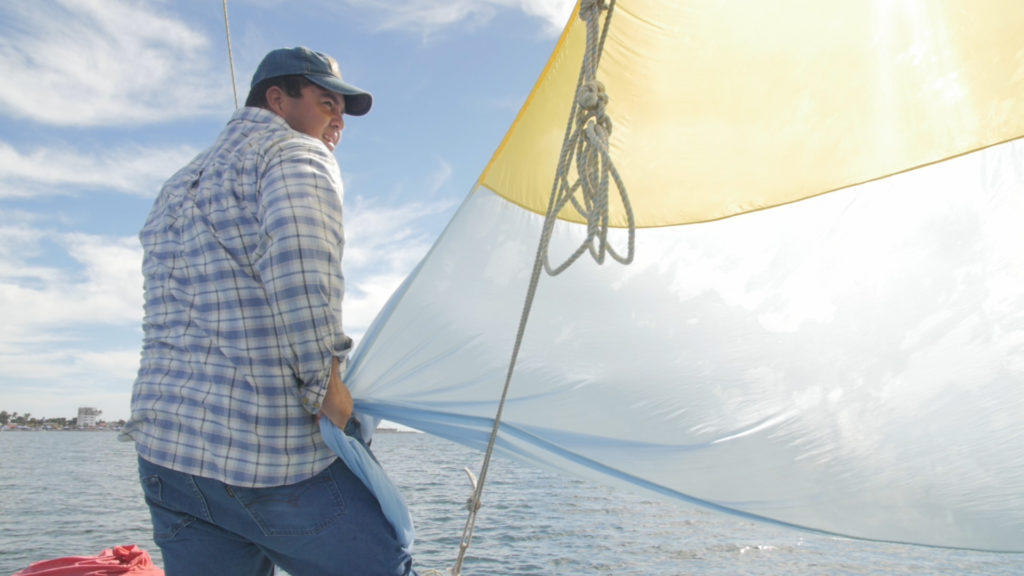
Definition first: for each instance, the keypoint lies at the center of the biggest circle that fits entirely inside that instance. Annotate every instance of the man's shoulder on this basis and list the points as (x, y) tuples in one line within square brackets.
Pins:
[(273, 136), (255, 124)]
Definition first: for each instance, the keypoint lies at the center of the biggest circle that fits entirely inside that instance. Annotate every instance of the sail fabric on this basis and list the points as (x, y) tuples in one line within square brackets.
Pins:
[(831, 364), (823, 325), (365, 466), (726, 107)]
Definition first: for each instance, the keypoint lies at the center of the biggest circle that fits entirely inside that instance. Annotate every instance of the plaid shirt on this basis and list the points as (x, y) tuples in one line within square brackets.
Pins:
[(243, 290)]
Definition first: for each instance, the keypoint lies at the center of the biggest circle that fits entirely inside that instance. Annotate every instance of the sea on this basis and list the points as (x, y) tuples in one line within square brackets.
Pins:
[(68, 493)]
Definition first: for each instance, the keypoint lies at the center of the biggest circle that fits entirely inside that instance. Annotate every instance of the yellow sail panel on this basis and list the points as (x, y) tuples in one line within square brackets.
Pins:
[(721, 108), (523, 167)]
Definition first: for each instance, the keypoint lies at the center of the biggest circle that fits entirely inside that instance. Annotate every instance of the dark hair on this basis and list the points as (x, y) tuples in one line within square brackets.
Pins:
[(292, 86)]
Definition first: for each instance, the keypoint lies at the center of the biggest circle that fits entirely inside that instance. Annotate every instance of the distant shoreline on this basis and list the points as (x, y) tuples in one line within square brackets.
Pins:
[(10, 428), (36, 429), (396, 431)]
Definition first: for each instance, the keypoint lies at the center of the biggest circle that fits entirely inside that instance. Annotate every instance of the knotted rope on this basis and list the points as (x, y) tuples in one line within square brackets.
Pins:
[(586, 140)]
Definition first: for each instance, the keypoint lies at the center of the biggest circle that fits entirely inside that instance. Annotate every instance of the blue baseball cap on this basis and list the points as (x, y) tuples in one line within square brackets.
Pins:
[(319, 69)]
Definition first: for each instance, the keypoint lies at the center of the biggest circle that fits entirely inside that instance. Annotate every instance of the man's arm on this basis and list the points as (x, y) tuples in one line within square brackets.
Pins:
[(300, 266), (337, 405)]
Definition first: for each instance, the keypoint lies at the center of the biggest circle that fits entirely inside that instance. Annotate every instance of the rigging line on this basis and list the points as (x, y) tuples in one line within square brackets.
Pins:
[(231, 59), (595, 126), (588, 145)]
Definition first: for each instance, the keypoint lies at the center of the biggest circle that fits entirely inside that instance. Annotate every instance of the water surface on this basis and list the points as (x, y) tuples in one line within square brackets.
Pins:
[(77, 493)]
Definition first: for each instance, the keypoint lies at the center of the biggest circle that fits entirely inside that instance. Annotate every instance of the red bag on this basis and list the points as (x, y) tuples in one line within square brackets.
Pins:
[(130, 560)]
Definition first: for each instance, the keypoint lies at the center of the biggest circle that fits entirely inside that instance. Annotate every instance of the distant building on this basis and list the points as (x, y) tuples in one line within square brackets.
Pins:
[(87, 417)]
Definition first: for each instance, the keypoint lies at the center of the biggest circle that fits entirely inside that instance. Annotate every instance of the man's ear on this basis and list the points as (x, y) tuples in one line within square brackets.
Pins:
[(275, 99)]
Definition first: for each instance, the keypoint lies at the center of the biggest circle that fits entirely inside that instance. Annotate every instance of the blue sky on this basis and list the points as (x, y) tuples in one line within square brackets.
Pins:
[(102, 100)]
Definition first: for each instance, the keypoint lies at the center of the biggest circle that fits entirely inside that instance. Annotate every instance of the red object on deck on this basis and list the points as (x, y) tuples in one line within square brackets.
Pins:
[(130, 560)]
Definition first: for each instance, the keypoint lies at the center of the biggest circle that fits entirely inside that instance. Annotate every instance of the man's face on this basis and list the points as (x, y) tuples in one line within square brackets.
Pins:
[(317, 112)]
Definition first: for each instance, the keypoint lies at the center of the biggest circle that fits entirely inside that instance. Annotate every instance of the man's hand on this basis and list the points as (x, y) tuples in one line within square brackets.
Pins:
[(337, 404)]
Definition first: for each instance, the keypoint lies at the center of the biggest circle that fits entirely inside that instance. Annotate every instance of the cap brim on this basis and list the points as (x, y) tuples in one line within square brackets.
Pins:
[(357, 100)]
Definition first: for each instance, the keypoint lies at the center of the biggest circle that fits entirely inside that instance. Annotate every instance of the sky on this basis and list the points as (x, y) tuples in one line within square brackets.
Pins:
[(103, 100)]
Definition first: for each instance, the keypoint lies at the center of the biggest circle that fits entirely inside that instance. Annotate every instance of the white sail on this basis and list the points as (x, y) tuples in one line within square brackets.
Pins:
[(852, 362)]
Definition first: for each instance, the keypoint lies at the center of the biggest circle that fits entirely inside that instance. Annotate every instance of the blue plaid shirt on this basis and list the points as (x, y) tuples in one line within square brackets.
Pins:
[(243, 290)]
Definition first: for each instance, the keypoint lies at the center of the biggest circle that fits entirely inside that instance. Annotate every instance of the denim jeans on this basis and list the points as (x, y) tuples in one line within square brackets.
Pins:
[(327, 525)]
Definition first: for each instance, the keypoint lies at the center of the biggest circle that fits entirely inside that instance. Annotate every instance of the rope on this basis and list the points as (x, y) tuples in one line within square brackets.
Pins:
[(589, 144), (231, 59)]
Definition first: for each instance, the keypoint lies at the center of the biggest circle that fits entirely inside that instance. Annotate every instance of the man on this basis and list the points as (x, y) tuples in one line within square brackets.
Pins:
[(244, 348)]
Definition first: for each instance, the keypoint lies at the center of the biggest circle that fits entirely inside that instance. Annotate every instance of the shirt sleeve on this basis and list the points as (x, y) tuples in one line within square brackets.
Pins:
[(299, 262)]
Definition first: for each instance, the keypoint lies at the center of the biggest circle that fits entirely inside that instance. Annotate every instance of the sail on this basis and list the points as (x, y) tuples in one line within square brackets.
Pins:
[(823, 323)]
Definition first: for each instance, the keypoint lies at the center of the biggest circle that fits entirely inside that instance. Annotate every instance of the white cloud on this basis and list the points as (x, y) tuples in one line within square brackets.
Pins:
[(69, 367), (554, 12), (53, 356), (429, 16), (102, 62), (130, 169), (382, 246), (106, 290)]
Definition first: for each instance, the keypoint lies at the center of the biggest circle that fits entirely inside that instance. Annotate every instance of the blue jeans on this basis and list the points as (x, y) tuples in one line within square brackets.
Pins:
[(330, 525)]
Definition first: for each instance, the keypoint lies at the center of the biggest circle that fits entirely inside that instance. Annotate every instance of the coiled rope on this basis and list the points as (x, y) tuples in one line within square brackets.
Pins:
[(586, 140)]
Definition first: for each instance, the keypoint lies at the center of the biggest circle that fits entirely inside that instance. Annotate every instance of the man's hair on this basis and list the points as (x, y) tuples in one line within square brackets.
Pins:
[(292, 86)]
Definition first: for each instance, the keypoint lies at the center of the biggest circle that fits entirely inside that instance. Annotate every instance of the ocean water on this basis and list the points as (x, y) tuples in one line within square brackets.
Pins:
[(77, 493)]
